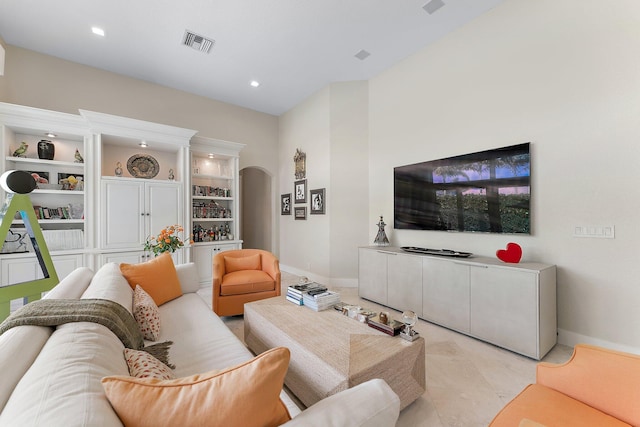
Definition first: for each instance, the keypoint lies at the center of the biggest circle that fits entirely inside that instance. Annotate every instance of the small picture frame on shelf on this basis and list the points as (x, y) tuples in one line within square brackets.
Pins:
[(300, 191), (285, 204), (300, 212), (317, 201)]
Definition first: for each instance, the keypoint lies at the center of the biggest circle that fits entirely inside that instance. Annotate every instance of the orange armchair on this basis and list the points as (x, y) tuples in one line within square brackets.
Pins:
[(596, 387), (243, 276)]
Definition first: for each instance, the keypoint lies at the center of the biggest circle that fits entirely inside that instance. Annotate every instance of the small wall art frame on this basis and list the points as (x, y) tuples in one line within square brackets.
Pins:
[(300, 191), (285, 204), (317, 201), (300, 212)]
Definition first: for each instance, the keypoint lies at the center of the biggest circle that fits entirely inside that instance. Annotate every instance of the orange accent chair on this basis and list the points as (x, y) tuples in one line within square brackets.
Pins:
[(596, 387), (242, 276)]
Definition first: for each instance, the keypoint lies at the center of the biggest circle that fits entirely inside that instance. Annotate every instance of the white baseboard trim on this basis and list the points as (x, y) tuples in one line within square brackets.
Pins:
[(571, 339), (327, 281)]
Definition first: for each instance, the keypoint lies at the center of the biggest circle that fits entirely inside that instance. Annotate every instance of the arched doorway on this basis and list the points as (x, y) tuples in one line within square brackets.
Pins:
[(256, 207)]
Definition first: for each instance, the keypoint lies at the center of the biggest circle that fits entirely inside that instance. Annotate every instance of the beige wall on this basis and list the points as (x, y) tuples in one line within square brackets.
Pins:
[(331, 128), (565, 76), (348, 193), (2, 78), (304, 245), (43, 81)]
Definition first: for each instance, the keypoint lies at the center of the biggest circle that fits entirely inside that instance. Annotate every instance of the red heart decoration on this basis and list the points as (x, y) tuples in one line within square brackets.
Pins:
[(512, 254)]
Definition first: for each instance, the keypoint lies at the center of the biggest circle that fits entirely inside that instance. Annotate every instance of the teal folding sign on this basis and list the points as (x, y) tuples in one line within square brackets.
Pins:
[(18, 184)]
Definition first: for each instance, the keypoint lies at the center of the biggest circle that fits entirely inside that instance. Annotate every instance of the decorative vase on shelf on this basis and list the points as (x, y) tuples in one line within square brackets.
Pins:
[(46, 150)]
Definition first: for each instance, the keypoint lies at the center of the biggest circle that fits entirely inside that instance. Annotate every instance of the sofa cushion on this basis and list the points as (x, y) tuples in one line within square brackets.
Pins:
[(188, 277), (146, 313), (372, 403), (246, 282), (143, 365), (549, 407), (27, 341), (62, 387), (251, 262), (157, 277), (109, 284), (245, 395), (191, 320)]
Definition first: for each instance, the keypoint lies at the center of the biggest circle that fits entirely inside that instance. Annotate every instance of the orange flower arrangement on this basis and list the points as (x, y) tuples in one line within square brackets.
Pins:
[(168, 240)]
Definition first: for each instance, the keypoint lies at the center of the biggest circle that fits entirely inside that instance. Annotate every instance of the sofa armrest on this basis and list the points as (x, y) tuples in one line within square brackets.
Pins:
[(601, 378), (370, 403)]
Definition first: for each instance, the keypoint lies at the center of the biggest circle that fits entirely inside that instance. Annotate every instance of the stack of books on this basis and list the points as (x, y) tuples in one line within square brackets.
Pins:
[(319, 301), (392, 327), (295, 292)]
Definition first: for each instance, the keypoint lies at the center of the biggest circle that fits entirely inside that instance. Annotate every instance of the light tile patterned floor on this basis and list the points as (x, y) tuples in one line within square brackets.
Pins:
[(468, 381)]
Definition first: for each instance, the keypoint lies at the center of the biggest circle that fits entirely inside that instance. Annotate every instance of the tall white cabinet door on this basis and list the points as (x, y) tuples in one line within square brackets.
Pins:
[(446, 293), (162, 201), (203, 258), (404, 282), (504, 308), (372, 276), (123, 215)]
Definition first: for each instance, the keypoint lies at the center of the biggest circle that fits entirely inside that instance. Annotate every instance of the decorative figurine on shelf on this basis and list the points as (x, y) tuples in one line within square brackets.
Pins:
[(118, 170), (381, 237), (172, 177), (22, 150), (78, 157), (46, 149)]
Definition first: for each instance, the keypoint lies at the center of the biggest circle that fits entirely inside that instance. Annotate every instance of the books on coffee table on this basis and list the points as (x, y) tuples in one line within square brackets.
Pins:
[(295, 292), (321, 301)]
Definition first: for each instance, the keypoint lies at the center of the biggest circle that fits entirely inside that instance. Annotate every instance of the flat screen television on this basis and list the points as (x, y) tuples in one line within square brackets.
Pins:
[(488, 191)]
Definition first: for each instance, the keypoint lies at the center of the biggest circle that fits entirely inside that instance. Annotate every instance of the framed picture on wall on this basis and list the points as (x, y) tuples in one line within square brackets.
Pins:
[(317, 201), (300, 212), (300, 191), (285, 204)]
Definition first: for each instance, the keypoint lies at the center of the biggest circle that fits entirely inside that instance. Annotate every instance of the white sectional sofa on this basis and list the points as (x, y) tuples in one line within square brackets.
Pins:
[(52, 376)]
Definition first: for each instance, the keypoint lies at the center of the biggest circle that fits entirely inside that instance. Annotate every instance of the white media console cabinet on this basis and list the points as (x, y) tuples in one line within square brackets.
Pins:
[(510, 305)]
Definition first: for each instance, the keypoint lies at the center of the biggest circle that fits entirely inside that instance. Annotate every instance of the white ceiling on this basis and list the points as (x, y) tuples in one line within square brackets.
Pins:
[(292, 47)]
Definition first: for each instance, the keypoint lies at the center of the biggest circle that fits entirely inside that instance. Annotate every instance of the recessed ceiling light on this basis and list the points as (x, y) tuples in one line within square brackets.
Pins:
[(97, 31), (254, 83), (211, 155), (143, 144), (50, 135)]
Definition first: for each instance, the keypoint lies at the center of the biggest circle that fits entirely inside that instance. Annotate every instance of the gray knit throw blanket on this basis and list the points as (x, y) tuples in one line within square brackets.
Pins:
[(54, 312)]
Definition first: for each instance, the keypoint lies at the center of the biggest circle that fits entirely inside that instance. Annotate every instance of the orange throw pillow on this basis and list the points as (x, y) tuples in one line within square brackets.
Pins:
[(245, 395), (157, 277), (251, 262)]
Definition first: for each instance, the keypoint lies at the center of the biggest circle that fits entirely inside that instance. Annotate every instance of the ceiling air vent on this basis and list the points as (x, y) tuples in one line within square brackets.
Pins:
[(362, 55), (433, 6), (197, 42)]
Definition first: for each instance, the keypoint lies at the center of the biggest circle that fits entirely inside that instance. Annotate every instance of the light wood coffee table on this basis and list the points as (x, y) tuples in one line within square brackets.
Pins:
[(331, 352)]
